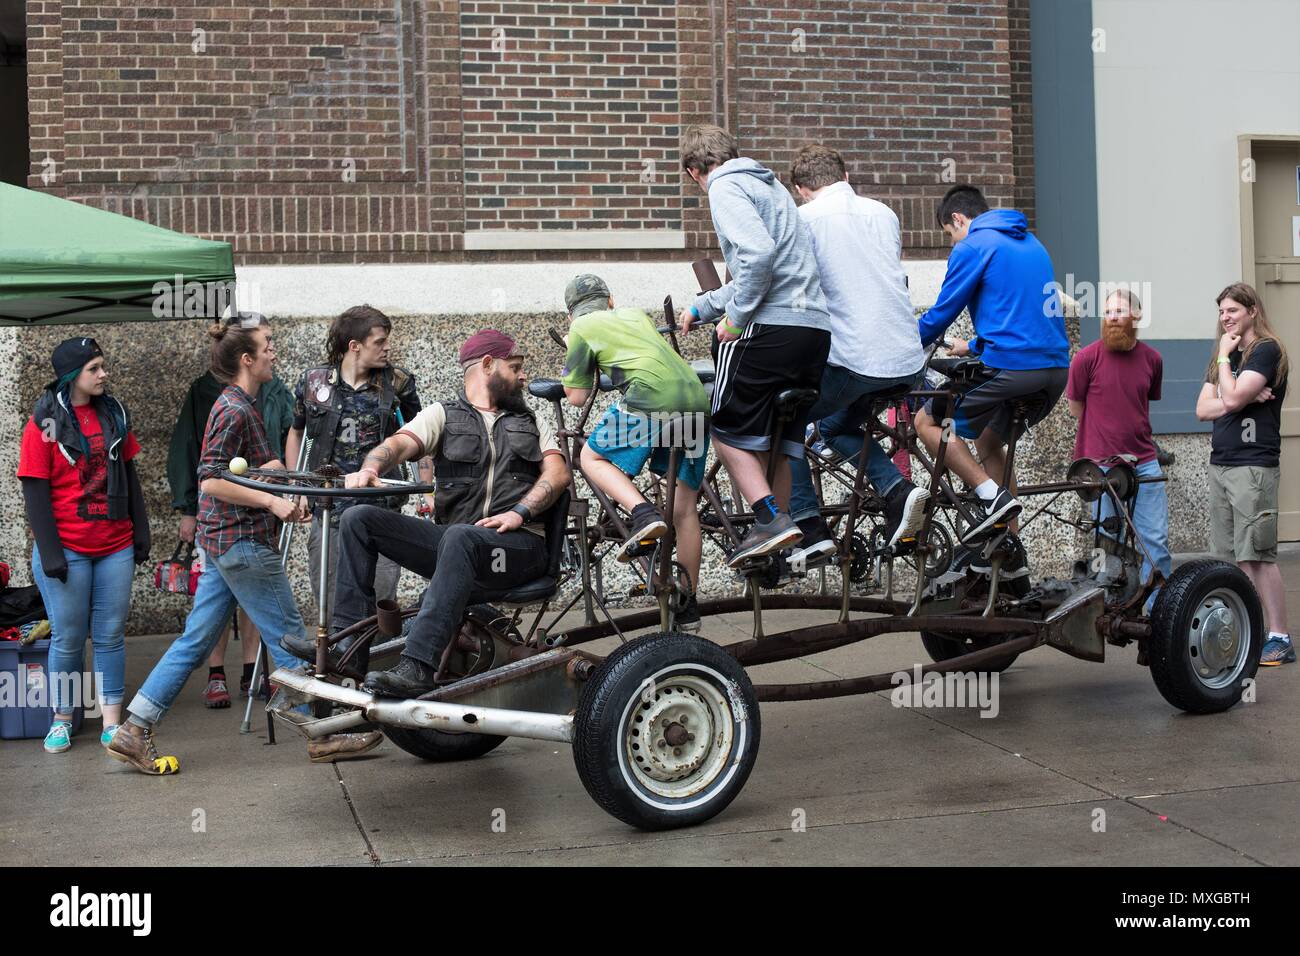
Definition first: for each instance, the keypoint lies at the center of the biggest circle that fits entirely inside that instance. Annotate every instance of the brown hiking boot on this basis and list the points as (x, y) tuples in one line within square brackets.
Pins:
[(342, 746), (134, 745)]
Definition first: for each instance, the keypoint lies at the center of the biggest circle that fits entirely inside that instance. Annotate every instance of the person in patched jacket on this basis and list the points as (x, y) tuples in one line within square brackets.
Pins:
[(344, 409), (497, 468)]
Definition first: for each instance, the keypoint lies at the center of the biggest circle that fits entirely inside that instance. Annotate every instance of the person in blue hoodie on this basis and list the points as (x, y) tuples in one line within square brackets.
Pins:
[(772, 332), (1000, 272)]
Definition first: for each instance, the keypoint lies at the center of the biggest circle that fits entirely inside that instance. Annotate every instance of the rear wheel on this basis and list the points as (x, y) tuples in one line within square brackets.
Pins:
[(667, 731), (944, 646), (1207, 632), (438, 745)]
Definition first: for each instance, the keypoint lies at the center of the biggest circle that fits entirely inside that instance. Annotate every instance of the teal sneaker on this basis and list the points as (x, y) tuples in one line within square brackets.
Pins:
[(59, 738), (107, 736), (1277, 650)]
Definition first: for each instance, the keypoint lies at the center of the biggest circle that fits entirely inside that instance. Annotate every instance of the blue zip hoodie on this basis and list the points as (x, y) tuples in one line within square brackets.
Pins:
[(1004, 275), (768, 250)]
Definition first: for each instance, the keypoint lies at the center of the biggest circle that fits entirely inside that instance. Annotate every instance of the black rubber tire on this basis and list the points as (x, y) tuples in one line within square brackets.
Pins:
[(1171, 620), (1016, 587), (609, 700), (438, 745), (942, 647)]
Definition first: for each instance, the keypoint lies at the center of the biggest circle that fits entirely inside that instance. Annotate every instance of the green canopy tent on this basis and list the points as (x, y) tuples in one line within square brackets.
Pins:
[(64, 263)]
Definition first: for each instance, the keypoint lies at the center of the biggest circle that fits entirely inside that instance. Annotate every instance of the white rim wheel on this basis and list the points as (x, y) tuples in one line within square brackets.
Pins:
[(677, 735)]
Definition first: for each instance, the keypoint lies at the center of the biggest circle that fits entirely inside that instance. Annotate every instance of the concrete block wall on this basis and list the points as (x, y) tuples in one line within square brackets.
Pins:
[(152, 365)]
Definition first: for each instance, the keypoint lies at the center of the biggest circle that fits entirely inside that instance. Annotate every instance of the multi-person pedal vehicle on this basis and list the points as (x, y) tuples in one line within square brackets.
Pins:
[(665, 729)]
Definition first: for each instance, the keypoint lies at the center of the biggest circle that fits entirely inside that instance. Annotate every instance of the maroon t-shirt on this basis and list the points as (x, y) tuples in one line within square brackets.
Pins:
[(1117, 389)]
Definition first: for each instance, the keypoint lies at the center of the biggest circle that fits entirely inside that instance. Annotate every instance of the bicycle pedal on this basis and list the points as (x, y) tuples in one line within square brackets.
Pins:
[(637, 590), (641, 548)]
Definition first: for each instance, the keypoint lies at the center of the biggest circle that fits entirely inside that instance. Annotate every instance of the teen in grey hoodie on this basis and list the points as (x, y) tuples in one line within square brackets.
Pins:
[(773, 332), (768, 251)]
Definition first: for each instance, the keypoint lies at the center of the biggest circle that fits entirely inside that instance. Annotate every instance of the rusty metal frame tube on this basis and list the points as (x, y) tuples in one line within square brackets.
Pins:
[(332, 725), (457, 718), (435, 715), (820, 690), (771, 602), (813, 640)]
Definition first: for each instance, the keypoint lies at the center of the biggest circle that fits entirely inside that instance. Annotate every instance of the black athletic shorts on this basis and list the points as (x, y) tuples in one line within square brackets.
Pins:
[(988, 403), (752, 370)]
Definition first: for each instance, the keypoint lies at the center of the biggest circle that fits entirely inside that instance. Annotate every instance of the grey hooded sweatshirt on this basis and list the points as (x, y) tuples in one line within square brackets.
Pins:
[(768, 250)]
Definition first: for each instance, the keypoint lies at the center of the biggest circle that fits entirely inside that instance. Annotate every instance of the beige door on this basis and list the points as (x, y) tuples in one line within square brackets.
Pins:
[(1274, 207)]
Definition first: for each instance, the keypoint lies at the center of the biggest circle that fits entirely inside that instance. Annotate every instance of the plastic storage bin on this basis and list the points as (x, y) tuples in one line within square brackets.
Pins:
[(24, 670)]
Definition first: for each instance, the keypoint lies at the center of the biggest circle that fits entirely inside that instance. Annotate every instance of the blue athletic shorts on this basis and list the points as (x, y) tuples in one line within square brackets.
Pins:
[(629, 440)]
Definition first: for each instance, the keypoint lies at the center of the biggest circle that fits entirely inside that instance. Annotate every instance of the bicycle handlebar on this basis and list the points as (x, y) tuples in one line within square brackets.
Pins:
[(390, 487)]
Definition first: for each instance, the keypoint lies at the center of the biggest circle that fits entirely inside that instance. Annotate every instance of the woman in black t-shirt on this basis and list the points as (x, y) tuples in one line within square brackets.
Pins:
[(1245, 384)]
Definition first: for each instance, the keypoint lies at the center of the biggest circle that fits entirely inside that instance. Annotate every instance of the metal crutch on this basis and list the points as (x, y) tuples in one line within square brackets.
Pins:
[(286, 536)]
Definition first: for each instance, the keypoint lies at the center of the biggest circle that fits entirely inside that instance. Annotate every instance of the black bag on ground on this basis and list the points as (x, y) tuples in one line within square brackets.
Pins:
[(19, 606)]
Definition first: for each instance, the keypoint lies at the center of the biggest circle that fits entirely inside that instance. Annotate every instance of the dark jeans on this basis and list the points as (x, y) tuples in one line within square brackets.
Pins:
[(842, 407), (455, 558)]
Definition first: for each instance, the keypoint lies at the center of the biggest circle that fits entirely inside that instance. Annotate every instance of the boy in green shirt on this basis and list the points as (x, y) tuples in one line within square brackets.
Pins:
[(658, 387)]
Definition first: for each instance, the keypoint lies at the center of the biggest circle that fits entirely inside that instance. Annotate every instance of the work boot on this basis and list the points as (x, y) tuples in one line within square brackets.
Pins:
[(337, 747), (304, 648), (133, 744), (408, 678)]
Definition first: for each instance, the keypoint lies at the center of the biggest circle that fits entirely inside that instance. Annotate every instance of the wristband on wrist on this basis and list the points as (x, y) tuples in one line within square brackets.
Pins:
[(523, 511), (1223, 360), (732, 329)]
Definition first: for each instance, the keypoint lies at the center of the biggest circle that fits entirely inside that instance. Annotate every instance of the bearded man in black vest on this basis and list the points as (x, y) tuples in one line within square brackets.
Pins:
[(498, 469)]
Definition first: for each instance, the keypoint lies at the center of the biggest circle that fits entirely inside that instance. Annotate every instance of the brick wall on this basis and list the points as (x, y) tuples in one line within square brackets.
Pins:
[(912, 94), (384, 130), (570, 115), (1022, 107)]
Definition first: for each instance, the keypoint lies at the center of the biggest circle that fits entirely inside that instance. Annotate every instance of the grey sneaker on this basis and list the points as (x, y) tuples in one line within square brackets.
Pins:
[(780, 532)]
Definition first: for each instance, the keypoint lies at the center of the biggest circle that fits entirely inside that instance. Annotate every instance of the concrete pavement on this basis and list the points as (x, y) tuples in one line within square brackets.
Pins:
[(1075, 745)]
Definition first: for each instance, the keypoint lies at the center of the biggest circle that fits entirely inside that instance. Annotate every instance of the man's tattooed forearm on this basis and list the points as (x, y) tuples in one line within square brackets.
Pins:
[(540, 496), (380, 458)]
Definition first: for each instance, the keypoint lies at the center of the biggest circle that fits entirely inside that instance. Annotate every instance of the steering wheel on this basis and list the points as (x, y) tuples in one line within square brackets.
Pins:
[(311, 484)]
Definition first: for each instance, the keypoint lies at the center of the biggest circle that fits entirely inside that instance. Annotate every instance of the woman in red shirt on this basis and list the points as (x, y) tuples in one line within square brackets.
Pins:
[(86, 510)]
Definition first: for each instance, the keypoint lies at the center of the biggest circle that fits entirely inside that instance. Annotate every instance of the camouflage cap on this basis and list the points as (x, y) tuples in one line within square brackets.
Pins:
[(583, 287)]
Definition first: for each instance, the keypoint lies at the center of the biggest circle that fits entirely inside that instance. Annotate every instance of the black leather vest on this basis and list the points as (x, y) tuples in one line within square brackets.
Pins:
[(477, 474)]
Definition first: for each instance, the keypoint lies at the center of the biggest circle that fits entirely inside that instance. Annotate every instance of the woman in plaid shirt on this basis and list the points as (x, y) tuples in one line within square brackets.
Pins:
[(237, 529)]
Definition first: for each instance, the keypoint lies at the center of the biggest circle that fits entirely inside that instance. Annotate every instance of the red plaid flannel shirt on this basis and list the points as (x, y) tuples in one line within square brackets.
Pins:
[(234, 429)]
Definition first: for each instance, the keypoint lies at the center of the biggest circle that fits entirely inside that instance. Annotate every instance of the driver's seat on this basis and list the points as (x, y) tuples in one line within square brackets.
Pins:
[(541, 588)]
